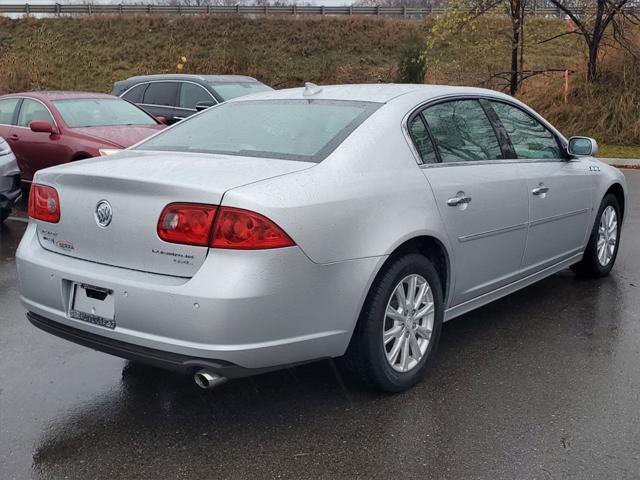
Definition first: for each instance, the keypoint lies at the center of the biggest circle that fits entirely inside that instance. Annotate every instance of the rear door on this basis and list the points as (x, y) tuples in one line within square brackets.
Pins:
[(482, 198), (559, 189), (160, 99)]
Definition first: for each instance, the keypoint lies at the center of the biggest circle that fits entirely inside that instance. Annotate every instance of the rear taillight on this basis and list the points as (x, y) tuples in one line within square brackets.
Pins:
[(219, 227), (44, 203), (187, 223), (245, 230)]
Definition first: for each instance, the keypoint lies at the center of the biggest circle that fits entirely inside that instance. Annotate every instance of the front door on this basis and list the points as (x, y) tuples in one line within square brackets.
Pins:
[(559, 190), (481, 197)]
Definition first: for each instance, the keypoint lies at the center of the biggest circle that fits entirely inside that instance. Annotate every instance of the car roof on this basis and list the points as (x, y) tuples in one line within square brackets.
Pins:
[(379, 93), (60, 95), (202, 78)]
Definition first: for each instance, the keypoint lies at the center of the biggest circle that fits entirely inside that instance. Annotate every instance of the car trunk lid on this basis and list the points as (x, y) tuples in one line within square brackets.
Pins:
[(137, 186)]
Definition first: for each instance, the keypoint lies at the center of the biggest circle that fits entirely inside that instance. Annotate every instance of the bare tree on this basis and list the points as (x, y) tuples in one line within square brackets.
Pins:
[(592, 19)]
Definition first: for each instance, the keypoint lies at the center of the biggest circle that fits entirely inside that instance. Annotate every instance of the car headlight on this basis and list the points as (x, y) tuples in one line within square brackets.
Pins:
[(108, 151), (5, 149)]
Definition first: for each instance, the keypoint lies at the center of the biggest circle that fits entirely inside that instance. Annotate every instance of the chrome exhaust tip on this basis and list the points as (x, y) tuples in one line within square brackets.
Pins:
[(207, 380)]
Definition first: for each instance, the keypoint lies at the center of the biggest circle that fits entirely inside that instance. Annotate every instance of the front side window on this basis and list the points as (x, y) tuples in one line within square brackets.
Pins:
[(192, 94), (530, 139), (33, 111), (306, 130), (422, 140), (100, 112), (462, 132), (7, 109), (161, 93)]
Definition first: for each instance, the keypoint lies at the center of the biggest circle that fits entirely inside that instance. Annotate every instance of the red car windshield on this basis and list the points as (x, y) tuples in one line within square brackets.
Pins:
[(101, 112)]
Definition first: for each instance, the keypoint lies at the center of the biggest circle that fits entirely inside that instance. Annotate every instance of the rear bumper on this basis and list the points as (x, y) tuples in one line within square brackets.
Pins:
[(250, 310)]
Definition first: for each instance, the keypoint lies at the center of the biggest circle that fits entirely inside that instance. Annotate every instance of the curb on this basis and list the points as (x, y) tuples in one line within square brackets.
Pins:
[(622, 163)]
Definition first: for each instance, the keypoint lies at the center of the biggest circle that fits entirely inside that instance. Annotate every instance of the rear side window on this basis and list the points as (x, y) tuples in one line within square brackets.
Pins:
[(422, 140), (192, 94), (530, 139), (32, 111), (306, 130), (462, 132), (161, 93), (7, 109), (136, 94)]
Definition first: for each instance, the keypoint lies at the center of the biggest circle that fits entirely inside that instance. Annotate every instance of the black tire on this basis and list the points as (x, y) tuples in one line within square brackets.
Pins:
[(590, 266), (366, 355), (4, 214)]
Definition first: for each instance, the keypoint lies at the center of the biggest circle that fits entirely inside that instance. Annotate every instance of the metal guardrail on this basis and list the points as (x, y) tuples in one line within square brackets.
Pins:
[(139, 9)]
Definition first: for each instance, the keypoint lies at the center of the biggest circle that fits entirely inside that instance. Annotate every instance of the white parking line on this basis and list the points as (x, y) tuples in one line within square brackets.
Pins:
[(18, 219)]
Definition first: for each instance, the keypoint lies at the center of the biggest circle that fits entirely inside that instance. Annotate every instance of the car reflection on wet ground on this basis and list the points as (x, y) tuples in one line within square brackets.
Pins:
[(542, 384)]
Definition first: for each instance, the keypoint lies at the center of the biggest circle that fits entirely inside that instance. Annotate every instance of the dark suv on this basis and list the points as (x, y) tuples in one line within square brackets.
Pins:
[(175, 97)]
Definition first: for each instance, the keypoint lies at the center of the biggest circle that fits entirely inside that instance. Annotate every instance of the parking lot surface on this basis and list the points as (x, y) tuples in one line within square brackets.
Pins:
[(543, 384)]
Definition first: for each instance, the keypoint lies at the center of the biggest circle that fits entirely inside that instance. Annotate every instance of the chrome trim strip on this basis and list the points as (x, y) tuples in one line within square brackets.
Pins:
[(53, 119), (558, 217), (168, 81), (490, 233)]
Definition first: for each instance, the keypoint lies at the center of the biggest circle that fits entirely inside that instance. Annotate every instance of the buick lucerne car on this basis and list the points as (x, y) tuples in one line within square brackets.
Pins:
[(314, 223), (10, 190), (50, 128), (177, 96)]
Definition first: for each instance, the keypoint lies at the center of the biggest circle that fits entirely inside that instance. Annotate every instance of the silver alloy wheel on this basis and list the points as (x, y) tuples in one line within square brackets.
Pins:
[(408, 323), (607, 235)]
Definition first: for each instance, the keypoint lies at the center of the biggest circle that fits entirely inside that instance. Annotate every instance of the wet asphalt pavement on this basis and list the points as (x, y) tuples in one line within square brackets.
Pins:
[(544, 384)]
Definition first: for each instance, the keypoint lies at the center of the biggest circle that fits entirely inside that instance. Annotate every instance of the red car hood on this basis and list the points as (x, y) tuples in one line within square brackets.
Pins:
[(120, 135)]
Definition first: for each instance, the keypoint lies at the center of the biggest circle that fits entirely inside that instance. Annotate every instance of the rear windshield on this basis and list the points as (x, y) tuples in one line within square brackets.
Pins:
[(101, 112), (307, 130), (227, 91)]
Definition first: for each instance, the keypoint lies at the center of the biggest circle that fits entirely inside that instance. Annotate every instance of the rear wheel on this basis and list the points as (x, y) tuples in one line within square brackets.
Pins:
[(602, 248), (399, 326)]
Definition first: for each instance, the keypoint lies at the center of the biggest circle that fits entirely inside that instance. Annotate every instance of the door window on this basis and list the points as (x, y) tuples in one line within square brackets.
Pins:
[(192, 94), (136, 93), (161, 93), (422, 140), (7, 109), (33, 111), (462, 132), (530, 139)]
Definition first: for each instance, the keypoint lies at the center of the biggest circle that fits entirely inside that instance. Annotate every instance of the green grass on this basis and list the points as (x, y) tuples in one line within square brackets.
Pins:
[(618, 151)]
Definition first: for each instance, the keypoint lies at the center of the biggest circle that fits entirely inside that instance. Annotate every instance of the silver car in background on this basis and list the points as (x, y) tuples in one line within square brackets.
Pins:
[(312, 223), (10, 186)]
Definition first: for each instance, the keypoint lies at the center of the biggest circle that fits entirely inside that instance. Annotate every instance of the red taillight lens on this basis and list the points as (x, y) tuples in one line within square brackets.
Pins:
[(187, 223), (245, 230), (44, 203)]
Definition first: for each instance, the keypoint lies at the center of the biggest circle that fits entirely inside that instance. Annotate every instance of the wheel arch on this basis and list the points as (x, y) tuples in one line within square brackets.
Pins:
[(80, 156), (618, 191)]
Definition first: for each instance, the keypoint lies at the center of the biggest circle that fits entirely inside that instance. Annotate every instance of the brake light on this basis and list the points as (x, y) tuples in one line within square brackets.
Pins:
[(44, 203), (187, 223), (219, 227), (242, 229)]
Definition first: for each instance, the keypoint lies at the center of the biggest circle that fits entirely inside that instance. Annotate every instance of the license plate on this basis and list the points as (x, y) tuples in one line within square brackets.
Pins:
[(93, 305)]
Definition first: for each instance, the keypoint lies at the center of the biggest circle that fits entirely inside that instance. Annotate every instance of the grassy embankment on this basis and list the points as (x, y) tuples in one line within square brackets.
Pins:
[(92, 53)]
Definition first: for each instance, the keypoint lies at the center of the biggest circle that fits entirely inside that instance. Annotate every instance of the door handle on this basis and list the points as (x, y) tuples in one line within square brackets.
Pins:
[(541, 190), (458, 200), (14, 137)]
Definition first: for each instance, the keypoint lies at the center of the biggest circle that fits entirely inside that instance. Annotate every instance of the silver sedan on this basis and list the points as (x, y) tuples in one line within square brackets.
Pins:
[(290, 226)]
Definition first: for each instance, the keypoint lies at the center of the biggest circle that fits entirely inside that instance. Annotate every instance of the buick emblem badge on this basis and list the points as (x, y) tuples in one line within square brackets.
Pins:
[(103, 214)]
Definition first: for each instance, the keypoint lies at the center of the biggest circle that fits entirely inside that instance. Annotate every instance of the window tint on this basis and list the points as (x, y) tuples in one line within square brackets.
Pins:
[(136, 93), (307, 130), (7, 107), (32, 111), (529, 137), (422, 140), (462, 132), (161, 93), (192, 94)]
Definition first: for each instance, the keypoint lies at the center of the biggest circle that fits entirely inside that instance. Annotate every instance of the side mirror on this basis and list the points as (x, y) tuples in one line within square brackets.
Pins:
[(204, 105), (162, 120), (582, 147), (42, 127)]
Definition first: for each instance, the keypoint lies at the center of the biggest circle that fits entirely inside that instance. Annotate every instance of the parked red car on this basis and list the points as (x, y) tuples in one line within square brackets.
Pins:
[(50, 128)]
